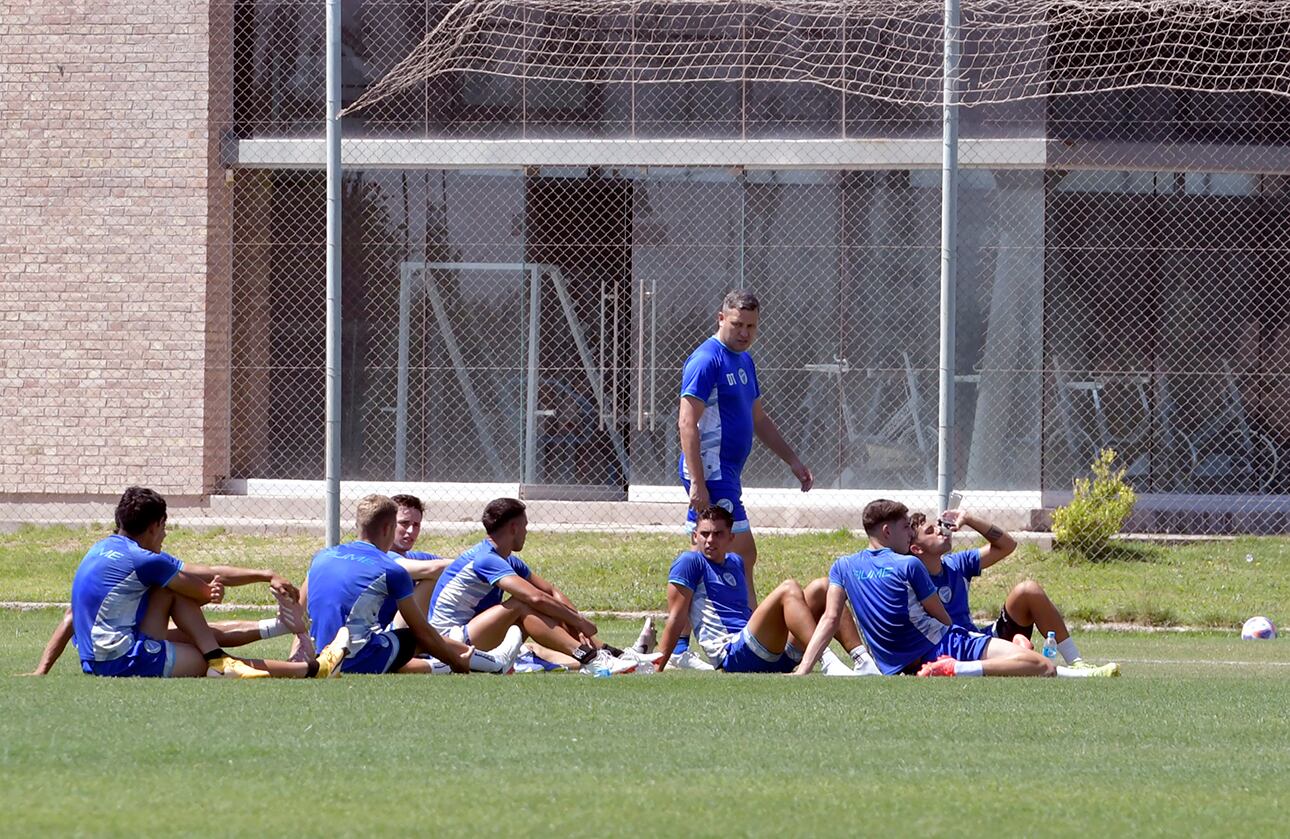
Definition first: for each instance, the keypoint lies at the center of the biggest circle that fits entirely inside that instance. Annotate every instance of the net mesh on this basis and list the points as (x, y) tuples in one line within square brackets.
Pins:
[(884, 49)]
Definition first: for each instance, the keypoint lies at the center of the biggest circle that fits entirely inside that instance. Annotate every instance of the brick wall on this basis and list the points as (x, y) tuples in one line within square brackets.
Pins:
[(114, 247)]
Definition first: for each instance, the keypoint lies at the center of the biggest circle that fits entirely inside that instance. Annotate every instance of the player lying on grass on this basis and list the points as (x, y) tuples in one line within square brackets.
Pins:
[(126, 593), (1027, 605), (354, 590), (707, 590), (467, 602), (905, 625)]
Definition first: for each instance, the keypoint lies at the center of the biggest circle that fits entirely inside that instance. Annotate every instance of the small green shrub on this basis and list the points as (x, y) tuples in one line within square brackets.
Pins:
[(1101, 506)]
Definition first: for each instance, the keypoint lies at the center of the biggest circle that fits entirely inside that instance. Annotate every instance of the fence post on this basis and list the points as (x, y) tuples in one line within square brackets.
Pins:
[(949, 207), (333, 430)]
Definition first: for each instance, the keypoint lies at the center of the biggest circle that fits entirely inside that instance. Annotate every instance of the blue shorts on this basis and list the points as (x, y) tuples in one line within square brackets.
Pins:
[(722, 494), (385, 652), (961, 645), (147, 658), (745, 654)]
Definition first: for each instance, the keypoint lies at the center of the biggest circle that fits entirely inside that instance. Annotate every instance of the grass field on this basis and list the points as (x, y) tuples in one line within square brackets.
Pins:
[(1203, 584), (1190, 742)]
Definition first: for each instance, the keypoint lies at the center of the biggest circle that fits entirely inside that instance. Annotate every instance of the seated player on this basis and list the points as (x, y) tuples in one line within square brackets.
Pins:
[(126, 592), (905, 625), (467, 602), (707, 591), (411, 511), (1027, 606), (355, 589)]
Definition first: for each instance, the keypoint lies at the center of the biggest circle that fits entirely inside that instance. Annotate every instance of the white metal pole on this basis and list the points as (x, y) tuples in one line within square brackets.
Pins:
[(949, 207), (531, 400), (334, 337), (401, 395)]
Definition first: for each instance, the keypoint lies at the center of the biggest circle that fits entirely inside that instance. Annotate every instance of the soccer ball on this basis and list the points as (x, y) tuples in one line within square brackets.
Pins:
[(1258, 628)]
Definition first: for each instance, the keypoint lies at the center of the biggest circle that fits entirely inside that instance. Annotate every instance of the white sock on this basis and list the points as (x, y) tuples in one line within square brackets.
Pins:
[(272, 628), (481, 662), (1068, 650), (967, 668), (858, 655)]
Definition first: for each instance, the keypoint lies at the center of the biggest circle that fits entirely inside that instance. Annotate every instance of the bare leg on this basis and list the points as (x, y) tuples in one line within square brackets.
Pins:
[(227, 633), (783, 613), (488, 628), (421, 596), (188, 616), (744, 545), (1028, 603), (848, 634), (1003, 658), (554, 656)]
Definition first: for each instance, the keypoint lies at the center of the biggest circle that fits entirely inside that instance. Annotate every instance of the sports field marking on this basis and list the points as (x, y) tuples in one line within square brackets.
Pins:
[(1204, 661)]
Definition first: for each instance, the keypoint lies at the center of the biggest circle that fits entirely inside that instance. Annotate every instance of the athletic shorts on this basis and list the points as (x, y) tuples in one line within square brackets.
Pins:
[(745, 654), (722, 494), (146, 658), (1005, 628), (958, 644), (385, 652)]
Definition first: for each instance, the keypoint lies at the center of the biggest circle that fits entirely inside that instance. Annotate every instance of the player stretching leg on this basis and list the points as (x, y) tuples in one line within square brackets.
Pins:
[(126, 592), (708, 586), (1027, 606), (906, 628), (467, 601), (720, 412)]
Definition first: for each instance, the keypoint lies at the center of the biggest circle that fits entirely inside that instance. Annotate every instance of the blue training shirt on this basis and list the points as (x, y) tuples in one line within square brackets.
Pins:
[(469, 585), (110, 595), (885, 590), (355, 585), (719, 608), (953, 582), (726, 381)]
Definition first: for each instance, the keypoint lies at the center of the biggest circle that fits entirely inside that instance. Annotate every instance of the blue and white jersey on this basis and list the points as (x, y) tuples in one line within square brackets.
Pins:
[(355, 585), (469, 585), (953, 582), (886, 590), (110, 595), (726, 381), (719, 608)]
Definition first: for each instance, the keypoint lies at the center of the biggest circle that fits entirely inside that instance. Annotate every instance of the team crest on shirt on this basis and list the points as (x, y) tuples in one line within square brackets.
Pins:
[(743, 376), (729, 578), (946, 593)]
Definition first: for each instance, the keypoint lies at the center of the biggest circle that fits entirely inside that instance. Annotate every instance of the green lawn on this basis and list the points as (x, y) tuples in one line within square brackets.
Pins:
[(1191, 741), (1204, 584)]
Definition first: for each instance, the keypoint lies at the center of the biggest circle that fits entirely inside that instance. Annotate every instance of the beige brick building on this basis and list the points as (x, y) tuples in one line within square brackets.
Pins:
[(114, 248)]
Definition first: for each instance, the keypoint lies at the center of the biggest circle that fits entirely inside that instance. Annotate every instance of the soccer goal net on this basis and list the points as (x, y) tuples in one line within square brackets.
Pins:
[(890, 50)]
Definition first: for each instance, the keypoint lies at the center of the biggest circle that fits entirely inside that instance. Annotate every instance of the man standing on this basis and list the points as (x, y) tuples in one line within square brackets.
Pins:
[(720, 413)]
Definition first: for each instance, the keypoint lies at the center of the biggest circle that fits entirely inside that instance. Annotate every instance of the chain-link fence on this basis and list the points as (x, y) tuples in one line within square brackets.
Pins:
[(528, 262)]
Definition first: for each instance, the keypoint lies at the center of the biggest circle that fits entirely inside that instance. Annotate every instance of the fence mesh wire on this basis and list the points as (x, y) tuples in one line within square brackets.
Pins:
[(527, 262)]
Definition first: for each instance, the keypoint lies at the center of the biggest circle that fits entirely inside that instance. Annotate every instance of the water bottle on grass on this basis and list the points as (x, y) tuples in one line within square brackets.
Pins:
[(1050, 647)]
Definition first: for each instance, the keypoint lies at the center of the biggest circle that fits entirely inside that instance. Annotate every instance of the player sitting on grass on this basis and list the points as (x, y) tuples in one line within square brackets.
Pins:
[(408, 528), (905, 625), (467, 602), (355, 589), (707, 590), (1027, 606), (126, 592)]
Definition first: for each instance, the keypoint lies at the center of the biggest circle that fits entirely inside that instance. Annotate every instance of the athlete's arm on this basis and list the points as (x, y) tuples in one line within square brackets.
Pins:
[(424, 569), (687, 424), (678, 605), (197, 588), (824, 630), (549, 605), (452, 653), (1001, 544), (545, 585), (766, 430), (232, 575), (57, 643), (933, 606)]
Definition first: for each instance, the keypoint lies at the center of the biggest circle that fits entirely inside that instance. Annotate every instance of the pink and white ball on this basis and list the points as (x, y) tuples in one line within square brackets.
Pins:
[(1258, 629)]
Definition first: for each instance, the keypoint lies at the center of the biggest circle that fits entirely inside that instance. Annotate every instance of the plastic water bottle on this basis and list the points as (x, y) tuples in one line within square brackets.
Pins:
[(601, 671), (645, 668), (1050, 647)]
